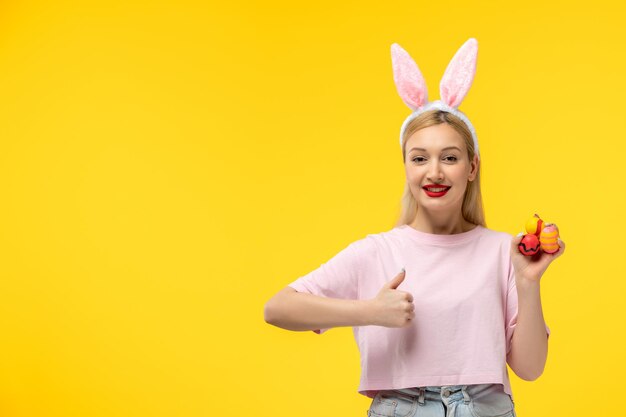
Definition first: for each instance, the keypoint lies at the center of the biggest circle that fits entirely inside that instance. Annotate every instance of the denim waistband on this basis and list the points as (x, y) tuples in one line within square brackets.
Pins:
[(445, 390), (442, 388)]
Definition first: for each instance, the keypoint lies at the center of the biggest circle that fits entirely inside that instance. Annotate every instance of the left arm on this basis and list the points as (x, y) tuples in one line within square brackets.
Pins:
[(529, 343)]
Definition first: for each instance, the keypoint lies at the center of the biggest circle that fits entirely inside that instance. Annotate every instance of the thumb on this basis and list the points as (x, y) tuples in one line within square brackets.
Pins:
[(397, 280), (516, 240)]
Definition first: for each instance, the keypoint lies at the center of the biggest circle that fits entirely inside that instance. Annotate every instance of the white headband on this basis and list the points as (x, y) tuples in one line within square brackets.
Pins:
[(454, 85)]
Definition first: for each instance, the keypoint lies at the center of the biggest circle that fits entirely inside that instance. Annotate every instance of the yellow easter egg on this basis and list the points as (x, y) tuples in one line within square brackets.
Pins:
[(534, 225)]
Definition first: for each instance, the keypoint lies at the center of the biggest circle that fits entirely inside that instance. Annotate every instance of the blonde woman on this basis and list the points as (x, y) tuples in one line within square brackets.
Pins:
[(440, 303)]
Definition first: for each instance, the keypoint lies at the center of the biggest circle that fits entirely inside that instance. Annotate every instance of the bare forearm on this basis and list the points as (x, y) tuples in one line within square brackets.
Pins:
[(529, 345), (302, 311)]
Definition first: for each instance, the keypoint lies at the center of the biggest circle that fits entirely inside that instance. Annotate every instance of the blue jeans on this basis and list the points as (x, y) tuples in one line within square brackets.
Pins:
[(480, 400)]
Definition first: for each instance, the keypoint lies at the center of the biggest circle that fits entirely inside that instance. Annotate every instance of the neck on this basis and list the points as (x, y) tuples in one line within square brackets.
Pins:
[(440, 223)]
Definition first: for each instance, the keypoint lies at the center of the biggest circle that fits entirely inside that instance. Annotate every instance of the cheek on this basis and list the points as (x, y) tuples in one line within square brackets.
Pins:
[(458, 172), (415, 184), (412, 174)]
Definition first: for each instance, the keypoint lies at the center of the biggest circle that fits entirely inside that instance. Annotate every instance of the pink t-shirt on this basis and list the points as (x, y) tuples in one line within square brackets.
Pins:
[(465, 299)]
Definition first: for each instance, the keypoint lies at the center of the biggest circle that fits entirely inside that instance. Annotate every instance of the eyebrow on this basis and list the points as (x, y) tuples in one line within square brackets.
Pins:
[(448, 147)]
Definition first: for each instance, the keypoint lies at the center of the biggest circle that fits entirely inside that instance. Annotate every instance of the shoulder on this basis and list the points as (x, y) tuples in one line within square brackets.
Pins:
[(496, 235), (498, 240), (373, 243)]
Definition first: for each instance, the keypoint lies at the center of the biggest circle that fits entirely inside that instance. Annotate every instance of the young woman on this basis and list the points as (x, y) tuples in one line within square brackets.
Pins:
[(439, 304)]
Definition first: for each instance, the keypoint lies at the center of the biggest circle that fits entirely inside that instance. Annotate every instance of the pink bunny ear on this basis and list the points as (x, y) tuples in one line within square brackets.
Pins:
[(408, 78), (459, 75)]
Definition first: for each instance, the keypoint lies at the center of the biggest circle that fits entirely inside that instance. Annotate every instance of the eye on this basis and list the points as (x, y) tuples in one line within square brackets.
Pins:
[(418, 159), (454, 158)]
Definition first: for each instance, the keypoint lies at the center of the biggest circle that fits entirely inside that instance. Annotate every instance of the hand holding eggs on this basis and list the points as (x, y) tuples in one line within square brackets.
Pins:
[(539, 236)]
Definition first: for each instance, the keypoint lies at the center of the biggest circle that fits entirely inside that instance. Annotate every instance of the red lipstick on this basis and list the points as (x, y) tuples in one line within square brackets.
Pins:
[(444, 189)]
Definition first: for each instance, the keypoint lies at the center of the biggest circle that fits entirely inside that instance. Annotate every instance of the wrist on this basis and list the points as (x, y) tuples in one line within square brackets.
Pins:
[(368, 312), (525, 284)]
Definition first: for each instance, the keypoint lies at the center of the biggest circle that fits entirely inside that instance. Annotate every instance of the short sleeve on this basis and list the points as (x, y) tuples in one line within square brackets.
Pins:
[(336, 278), (511, 309)]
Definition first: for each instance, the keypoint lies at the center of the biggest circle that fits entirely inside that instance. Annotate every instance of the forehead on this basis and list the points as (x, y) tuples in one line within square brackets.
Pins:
[(434, 138)]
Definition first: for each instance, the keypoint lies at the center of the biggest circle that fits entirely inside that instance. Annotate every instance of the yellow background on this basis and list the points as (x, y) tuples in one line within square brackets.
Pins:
[(167, 167)]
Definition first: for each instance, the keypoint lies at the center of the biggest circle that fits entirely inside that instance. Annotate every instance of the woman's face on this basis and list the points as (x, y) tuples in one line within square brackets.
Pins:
[(438, 155)]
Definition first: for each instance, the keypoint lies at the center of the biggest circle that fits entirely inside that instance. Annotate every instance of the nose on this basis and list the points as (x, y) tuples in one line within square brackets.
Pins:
[(434, 171)]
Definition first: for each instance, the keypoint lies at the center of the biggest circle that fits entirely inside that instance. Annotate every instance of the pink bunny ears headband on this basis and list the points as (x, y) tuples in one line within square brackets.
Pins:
[(455, 84)]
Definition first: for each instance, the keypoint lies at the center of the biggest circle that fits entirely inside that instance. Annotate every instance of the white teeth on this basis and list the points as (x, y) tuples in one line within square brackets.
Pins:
[(436, 190)]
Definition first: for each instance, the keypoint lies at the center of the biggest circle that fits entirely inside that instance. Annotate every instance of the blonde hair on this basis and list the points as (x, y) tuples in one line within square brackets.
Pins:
[(472, 207)]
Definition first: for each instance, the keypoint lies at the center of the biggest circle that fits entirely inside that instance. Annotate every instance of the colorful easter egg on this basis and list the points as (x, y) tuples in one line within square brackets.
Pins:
[(534, 225), (548, 238), (529, 245)]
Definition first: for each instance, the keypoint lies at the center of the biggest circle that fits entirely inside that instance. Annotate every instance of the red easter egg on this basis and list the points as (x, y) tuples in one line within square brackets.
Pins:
[(529, 245)]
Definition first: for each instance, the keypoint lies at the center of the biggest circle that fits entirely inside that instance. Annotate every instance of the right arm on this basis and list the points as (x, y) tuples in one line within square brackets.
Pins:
[(293, 310), (298, 311)]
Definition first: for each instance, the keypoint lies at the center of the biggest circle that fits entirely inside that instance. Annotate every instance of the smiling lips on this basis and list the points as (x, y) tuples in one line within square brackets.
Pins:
[(433, 190)]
